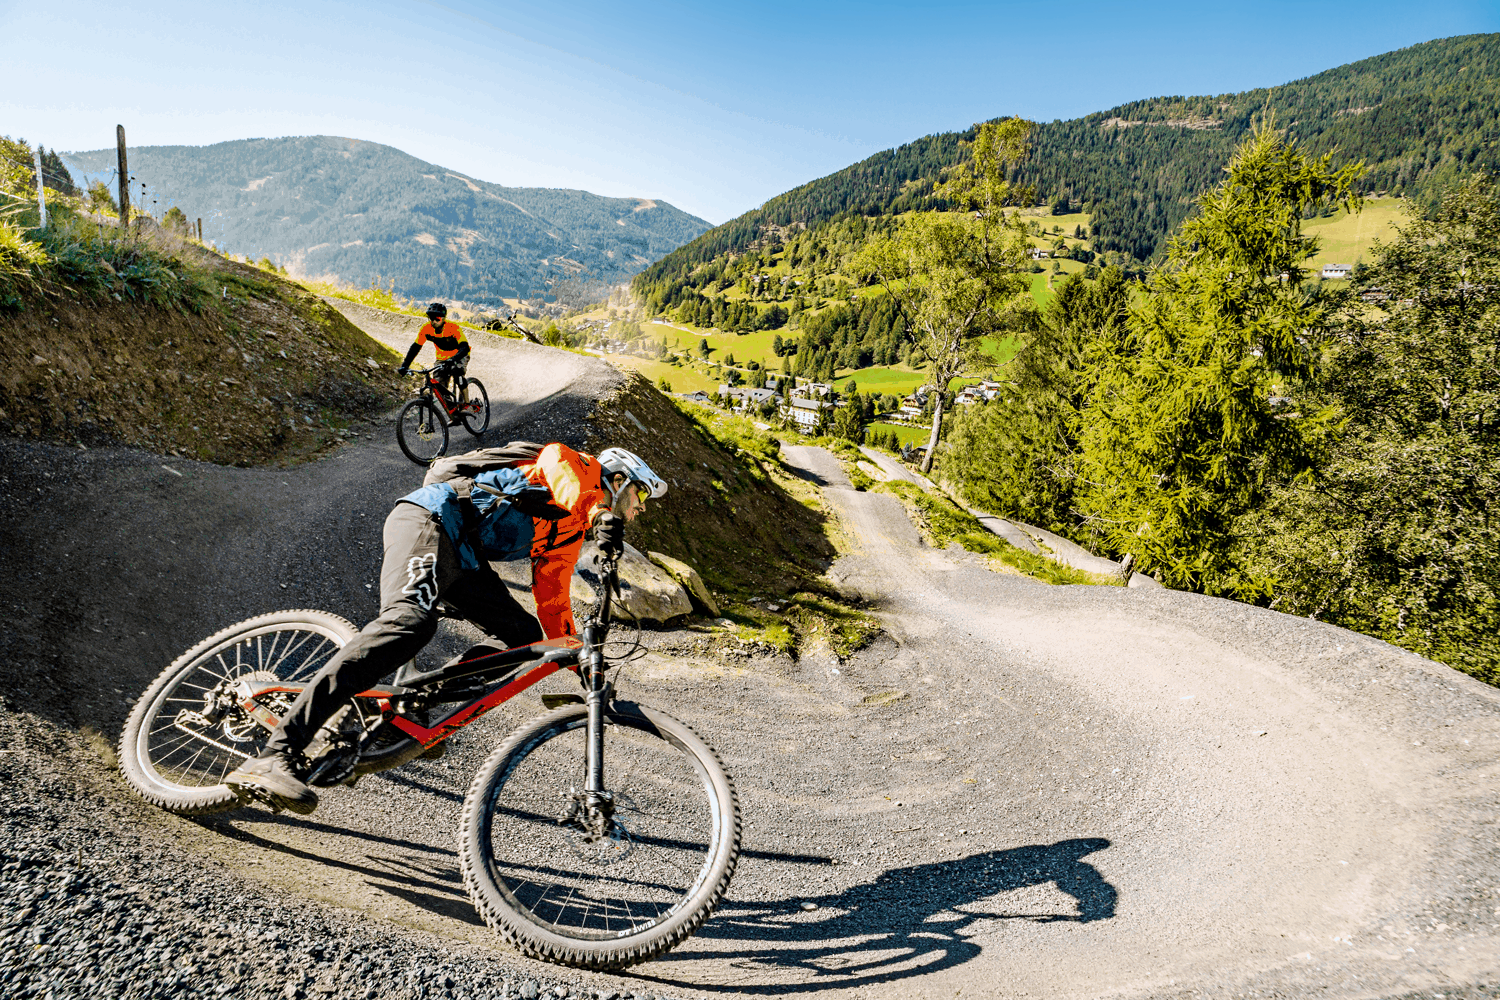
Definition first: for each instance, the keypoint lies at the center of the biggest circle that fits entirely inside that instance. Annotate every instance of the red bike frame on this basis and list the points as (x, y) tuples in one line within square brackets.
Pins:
[(450, 405), (385, 697)]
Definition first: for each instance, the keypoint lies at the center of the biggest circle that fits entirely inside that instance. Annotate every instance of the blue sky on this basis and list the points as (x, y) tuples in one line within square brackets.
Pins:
[(712, 107)]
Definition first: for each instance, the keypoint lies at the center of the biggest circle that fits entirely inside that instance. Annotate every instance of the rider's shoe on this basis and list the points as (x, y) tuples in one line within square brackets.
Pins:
[(278, 777)]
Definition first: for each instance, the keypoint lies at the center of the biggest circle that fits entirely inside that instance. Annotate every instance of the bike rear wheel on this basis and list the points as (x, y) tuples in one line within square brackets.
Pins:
[(185, 734), (539, 881), (422, 431), (477, 411)]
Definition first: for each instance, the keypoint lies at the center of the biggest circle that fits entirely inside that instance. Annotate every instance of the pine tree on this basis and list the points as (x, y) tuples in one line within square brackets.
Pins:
[(1181, 437)]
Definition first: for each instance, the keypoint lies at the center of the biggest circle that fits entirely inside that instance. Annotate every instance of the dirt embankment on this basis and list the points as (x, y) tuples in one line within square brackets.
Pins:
[(261, 372), (728, 513)]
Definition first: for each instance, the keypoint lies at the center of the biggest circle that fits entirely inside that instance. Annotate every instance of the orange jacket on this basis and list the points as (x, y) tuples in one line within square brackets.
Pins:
[(446, 342), (575, 482)]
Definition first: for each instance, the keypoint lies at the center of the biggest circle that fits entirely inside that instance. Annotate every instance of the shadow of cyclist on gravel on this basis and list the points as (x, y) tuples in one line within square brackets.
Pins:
[(909, 921)]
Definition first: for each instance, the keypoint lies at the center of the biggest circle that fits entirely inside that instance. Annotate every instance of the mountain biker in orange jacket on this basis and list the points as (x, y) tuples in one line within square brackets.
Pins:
[(439, 546), (448, 342)]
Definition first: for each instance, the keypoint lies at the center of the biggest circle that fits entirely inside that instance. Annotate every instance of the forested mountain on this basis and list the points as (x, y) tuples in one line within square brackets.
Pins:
[(324, 205), (1418, 117)]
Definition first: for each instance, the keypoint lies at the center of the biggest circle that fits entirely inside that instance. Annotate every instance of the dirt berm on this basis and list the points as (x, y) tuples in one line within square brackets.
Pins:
[(1018, 791)]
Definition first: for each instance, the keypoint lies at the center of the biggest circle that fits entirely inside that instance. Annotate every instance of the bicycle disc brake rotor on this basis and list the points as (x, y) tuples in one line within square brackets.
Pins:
[(598, 840), (238, 725)]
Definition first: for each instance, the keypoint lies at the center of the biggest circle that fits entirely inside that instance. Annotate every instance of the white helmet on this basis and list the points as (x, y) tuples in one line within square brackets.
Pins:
[(619, 461)]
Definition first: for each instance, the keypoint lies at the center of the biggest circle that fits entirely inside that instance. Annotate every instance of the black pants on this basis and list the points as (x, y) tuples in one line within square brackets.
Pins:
[(454, 377), (419, 567)]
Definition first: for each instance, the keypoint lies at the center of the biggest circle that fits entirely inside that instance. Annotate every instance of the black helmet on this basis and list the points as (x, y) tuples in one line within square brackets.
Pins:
[(436, 309)]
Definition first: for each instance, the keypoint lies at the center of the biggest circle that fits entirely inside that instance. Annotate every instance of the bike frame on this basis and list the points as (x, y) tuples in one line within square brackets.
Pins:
[(433, 387), (538, 661)]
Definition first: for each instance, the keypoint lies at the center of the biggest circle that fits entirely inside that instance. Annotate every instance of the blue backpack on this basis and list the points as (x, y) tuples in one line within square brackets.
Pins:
[(486, 503)]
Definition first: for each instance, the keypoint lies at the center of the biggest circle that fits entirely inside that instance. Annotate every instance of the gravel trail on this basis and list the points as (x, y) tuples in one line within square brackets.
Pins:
[(1020, 790)]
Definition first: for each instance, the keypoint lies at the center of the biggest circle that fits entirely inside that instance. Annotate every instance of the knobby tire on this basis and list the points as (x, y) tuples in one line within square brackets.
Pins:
[(476, 421), (182, 773), (679, 823), (422, 431)]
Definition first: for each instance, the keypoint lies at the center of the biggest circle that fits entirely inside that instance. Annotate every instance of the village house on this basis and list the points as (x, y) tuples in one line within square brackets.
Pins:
[(742, 397), (805, 411), (1037, 253), (1337, 270)]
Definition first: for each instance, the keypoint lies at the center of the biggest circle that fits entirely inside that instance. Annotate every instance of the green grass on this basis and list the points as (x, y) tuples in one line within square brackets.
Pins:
[(375, 297), (1346, 239), (745, 347), (915, 435), (947, 522), (895, 381), (1001, 350), (757, 347), (681, 379)]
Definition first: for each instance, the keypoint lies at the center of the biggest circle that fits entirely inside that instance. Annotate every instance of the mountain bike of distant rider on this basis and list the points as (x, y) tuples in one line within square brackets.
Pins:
[(422, 427)]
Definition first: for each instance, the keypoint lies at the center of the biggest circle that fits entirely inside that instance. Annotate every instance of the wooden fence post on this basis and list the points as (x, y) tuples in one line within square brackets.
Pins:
[(200, 230), (124, 177), (41, 199)]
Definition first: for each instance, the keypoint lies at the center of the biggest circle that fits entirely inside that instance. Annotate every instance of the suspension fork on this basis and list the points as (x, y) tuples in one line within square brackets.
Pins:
[(597, 689)]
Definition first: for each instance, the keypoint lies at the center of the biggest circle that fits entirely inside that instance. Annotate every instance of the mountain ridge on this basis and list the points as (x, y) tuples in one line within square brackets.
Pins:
[(364, 212), (1419, 116)]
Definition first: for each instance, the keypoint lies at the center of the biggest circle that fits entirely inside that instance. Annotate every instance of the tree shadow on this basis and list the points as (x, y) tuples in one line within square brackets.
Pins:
[(908, 922)]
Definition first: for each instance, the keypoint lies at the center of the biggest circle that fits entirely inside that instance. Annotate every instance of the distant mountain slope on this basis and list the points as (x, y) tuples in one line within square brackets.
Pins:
[(1417, 117), (324, 205)]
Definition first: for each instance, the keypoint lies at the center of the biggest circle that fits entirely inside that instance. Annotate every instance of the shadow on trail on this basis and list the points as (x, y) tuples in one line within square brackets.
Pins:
[(908, 922)]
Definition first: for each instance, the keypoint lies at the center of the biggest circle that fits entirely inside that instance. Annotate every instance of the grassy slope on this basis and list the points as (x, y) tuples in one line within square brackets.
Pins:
[(254, 369), (1346, 239)]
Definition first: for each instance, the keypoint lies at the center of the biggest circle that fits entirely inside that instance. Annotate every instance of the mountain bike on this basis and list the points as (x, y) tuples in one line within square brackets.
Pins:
[(422, 427), (598, 835)]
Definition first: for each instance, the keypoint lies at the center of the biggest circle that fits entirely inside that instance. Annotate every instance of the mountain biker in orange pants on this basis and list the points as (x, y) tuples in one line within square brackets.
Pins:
[(448, 342), (439, 544)]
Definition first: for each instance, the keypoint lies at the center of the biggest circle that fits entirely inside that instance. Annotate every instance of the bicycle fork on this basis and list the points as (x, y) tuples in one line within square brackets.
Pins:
[(598, 802)]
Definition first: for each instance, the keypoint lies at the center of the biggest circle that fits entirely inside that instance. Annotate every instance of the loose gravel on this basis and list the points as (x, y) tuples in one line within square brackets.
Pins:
[(1019, 790)]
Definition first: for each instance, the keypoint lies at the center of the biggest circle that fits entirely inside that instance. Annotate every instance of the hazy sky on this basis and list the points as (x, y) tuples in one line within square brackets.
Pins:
[(714, 107)]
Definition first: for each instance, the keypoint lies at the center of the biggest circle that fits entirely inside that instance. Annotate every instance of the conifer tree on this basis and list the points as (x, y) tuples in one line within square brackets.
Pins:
[(1182, 435)]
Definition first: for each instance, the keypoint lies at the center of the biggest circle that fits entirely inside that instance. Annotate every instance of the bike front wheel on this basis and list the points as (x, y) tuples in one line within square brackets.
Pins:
[(422, 431), (477, 410), (189, 729), (558, 891)]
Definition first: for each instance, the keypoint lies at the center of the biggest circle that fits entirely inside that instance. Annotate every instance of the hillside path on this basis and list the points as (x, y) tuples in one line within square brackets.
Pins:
[(1085, 791), (1018, 790)]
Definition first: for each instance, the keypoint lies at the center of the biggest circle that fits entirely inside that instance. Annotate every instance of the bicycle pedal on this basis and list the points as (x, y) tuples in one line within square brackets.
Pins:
[(249, 796)]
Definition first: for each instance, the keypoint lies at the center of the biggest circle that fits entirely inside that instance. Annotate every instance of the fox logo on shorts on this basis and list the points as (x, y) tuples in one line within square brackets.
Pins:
[(421, 580)]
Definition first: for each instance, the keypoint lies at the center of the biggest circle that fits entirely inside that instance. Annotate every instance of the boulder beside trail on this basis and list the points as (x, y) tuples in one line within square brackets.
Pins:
[(689, 578), (647, 592)]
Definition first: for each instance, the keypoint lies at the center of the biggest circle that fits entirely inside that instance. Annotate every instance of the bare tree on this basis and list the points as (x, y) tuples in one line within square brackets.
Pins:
[(952, 274)]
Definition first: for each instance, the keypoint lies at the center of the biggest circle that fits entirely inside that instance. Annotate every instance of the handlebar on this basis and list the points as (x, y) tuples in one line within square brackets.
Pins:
[(435, 369)]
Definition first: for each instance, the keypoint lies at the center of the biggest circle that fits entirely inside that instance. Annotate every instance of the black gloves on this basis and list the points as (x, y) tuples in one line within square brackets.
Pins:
[(609, 532), (403, 370)]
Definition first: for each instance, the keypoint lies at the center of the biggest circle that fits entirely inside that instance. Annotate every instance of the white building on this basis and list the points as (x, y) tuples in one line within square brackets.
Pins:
[(805, 411), (745, 396), (1337, 270)]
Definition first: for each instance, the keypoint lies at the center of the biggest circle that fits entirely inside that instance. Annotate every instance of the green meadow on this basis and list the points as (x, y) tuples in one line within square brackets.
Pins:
[(1346, 238)]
